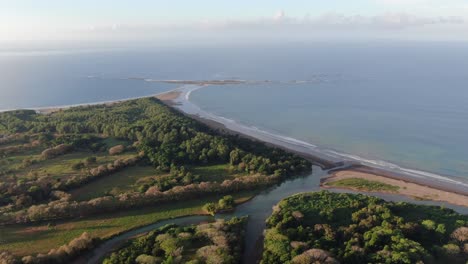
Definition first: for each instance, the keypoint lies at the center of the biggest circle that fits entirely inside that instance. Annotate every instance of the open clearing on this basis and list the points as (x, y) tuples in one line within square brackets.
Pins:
[(113, 184), (40, 238)]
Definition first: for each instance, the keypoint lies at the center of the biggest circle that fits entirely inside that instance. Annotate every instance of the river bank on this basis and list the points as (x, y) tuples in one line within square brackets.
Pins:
[(260, 207), (179, 99), (396, 186)]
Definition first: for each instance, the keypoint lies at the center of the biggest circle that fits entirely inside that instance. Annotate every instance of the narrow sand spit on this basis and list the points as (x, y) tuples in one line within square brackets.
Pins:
[(410, 188), (169, 96), (413, 190)]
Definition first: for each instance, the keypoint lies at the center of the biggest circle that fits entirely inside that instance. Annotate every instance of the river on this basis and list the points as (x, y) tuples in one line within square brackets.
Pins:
[(258, 209)]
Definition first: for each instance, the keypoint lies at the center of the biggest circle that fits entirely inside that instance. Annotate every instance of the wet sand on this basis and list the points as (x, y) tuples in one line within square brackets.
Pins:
[(169, 96), (418, 188), (410, 189), (323, 163), (421, 188)]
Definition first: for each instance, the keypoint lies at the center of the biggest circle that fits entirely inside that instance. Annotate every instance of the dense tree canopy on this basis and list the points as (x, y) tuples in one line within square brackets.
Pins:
[(218, 242), (147, 132), (362, 229), (165, 136)]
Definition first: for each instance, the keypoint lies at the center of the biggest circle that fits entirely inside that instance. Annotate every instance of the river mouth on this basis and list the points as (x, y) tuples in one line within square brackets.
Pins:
[(258, 209), (328, 157), (261, 206)]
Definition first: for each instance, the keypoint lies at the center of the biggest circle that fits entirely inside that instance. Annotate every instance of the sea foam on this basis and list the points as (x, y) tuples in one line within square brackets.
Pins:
[(187, 106)]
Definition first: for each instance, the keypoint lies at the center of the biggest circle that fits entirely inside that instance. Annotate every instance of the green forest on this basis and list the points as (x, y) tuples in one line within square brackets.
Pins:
[(217, 242), (45, 157), (73, 178), (72, 167), (326, 227)]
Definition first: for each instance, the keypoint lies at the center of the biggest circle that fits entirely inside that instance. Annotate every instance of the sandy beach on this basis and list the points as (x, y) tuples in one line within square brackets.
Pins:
[(424, 190), (419, 191), (413, 190), (417, 188), (168, 97)]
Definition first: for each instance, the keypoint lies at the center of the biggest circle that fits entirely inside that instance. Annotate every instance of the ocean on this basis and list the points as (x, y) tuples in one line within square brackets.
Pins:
[(402, 104)]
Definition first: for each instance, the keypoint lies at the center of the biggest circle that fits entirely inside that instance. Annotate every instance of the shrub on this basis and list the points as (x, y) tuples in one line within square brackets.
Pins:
[(314, 256), (147, 259), (8, 258), (90, 160), (56, 151), (210, 208), (64, 253), (78, 166), (460, 234), (116, 150)]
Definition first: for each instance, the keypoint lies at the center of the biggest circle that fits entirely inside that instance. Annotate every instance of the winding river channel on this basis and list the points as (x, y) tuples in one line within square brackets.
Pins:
[(260, 207)]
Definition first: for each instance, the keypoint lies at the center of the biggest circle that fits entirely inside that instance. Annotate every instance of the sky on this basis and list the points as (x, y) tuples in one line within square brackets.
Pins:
[(171, 21)]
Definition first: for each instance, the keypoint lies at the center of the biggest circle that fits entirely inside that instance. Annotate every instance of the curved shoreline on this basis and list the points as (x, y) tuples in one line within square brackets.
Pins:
[(178, 99), (175, 98), (327, 160), (412, 190), (49, 109)]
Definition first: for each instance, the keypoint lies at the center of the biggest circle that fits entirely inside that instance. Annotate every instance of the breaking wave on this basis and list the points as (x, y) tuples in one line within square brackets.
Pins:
[(187, 106)]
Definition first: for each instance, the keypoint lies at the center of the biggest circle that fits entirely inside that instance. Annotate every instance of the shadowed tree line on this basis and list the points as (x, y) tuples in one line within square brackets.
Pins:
[(165, 139)]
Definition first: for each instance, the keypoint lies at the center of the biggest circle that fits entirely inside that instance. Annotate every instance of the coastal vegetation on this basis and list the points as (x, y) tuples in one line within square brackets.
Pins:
[(73, 178), (217, 242), (82, 169), (64, 253), (325, 227), (32, 239), (363, 185), (226, 203)]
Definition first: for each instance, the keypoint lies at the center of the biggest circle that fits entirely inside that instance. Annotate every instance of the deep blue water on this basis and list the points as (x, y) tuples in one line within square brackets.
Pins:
[(405, 103)]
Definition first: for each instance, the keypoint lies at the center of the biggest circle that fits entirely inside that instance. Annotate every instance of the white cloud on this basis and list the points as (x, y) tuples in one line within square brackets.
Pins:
[(278, 26), (402, 2), (280, 15), (335, 20), (427, 7)]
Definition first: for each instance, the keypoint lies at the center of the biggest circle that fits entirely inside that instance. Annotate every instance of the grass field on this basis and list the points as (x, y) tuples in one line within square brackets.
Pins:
[(111, 142), (118, 182), (125, 180), (24, 240), (363, 185), (14, 162), (217, 173), (40, 238), (59, 167), (128, 178)]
